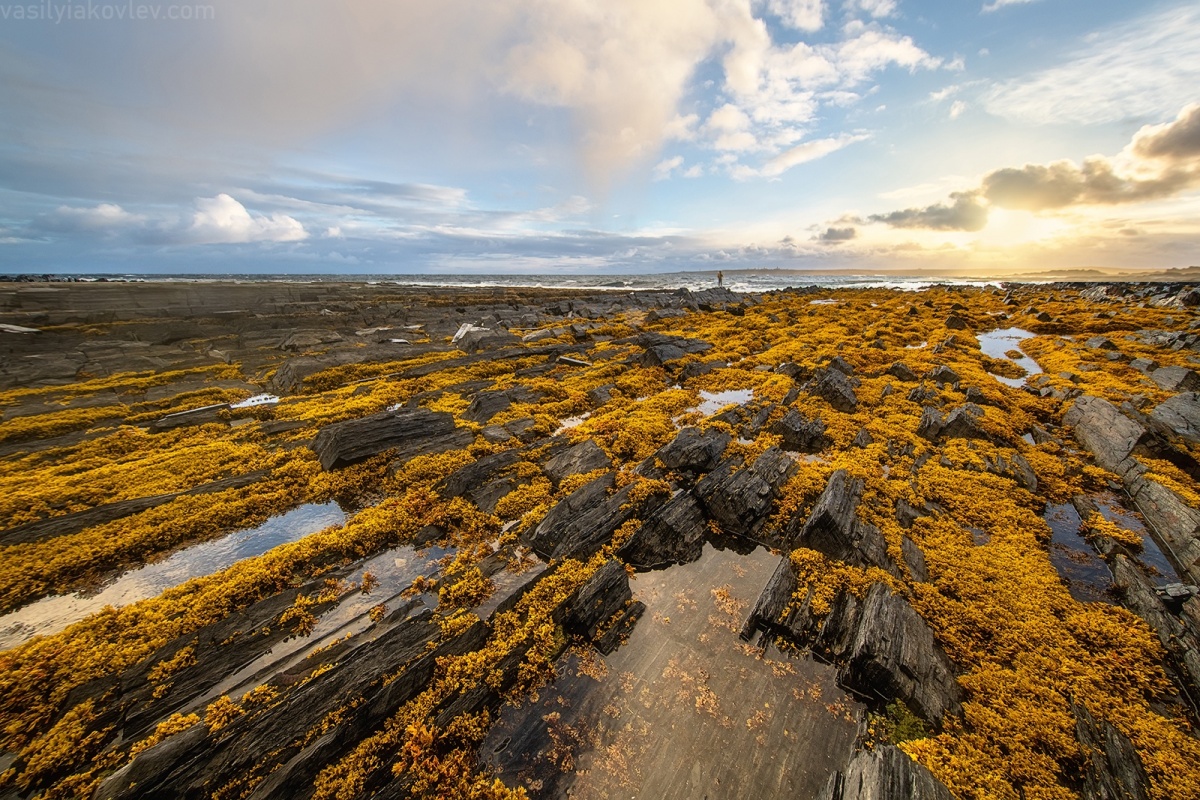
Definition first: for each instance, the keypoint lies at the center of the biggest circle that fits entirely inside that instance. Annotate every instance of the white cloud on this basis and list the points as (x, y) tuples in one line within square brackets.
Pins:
[(802, 15), (998, 4), (957, 108), (1144, 68), (664, 168), (99, 217), (876, 8), (223, 220), (800, 154)]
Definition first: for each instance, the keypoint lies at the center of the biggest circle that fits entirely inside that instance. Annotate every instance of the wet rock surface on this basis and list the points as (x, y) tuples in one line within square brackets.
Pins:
[(884, 773)]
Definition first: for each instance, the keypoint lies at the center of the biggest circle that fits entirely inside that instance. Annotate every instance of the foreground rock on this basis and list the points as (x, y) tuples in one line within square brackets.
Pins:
[(411, 431), (834, 529), (884, 773), (884, 648), (1112, 768)]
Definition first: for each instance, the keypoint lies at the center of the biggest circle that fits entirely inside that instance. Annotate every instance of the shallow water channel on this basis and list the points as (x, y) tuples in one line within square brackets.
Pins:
[(683, 709), (999, 343), (52, 614)]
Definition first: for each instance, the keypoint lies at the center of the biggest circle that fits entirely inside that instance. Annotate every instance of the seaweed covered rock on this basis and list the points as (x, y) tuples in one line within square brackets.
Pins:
[(834, 529), (883, 773), (1112, 769), (959, 423), (903, 372), (474, 339), (411, 431), (486, 405), (739, 498)]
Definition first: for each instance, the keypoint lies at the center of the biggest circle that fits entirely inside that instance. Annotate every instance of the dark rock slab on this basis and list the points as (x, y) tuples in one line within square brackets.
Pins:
[(834, 388), (903, 372), (841, 365), (673, 534), (957, 323), (599, 601), (884, 649), (959, 423), (740, 499), (473, 339), (583, 457), (944, 376), (486, 405), (1178, 633), (662, 349), (471, 477), (800, 433), (1112, 768), (694, 450), (883, 773), (914, 559), (411, 431)]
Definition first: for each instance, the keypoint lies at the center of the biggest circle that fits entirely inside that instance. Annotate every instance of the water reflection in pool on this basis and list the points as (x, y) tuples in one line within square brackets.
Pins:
[(52, 614)]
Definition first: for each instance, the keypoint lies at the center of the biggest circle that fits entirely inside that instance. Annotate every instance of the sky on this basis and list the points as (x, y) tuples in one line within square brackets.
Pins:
[(986, 137)]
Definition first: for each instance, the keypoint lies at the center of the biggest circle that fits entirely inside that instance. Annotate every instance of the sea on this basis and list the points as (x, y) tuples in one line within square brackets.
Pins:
[(750, 281)]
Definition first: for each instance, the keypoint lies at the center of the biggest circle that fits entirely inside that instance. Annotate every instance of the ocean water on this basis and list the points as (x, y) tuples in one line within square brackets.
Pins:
[(736, 280)]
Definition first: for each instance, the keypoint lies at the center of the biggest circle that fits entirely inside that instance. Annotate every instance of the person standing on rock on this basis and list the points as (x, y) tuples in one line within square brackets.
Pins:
[(720, 278)]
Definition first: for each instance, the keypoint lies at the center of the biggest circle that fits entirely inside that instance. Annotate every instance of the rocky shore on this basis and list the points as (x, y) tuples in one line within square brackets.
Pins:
[(517, 465)]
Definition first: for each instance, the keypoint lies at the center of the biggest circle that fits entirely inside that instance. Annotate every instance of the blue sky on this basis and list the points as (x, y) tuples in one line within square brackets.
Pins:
[(628, 136)]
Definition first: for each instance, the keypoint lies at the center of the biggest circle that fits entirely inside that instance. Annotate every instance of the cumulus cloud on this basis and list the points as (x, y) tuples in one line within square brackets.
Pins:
[(802, 15), (223, 220), (1139, 68), (105, 216), (1160, 161), (664, 168), (836, 235), (965, 213)]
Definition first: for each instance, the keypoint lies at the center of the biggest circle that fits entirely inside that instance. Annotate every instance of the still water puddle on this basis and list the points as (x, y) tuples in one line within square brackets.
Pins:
[(1152, 558), (712, 402), (1088, 578), (999, 343), (52, 614), (684, 708)]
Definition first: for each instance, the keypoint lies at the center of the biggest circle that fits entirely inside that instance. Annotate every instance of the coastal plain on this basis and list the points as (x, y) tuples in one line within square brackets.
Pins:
[(341, 540)]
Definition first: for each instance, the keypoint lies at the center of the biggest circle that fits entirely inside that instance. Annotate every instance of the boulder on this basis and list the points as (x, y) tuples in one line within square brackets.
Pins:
[(411, 431), (1181, 415), (800, 433), (673, 534), (944, 376), (1176, 379), (956, 323), (694, 450), (841, 365), (834, 388), (1100, 343), (903, 372), (586, 519), (883, 773), (862, 439)]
